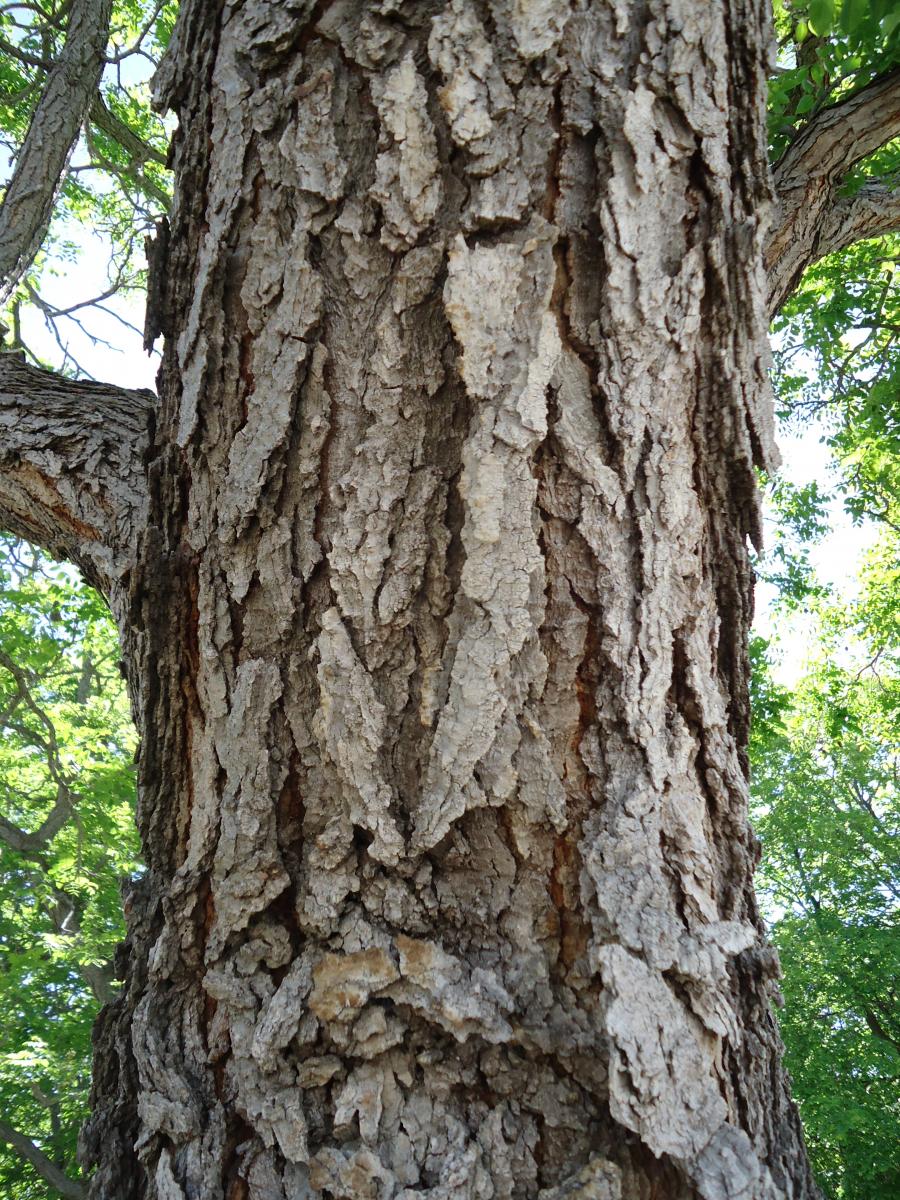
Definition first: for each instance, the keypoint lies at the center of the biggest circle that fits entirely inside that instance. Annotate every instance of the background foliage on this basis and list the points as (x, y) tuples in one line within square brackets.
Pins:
[(66, 783), (826, 751), (67, 837), (117, 186)]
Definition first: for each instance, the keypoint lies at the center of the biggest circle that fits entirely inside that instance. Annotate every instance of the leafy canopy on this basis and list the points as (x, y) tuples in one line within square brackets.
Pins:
[(826, 752), (66, 754)]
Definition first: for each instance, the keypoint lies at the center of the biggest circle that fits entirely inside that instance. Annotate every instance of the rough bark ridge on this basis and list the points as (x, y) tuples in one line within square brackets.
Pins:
[(72, 474), (437, 629)]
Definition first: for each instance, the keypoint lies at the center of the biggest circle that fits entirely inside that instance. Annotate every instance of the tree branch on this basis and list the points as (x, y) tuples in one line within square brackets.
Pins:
[(878, 1029), (842, 134), (30, 843), (813, 219), (71, 1189), (99, 977), (106, 120), (55, 126), (72, 473), (873, 211)]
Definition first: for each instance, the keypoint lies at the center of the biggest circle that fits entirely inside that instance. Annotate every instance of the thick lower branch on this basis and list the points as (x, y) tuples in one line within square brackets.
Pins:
[(71, 467), (873, 211)]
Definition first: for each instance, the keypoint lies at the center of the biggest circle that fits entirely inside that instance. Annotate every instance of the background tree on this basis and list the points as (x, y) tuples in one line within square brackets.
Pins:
[(74, 73), (66, 841), (825, 755), (825, 788), (347, 693)]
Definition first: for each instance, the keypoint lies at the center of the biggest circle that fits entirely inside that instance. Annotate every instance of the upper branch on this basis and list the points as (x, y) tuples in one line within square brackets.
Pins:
[(64, 104), (843, 133), (72, 475), (71, 1189), (31, 843), (870, 212), (813, 218), (104, 118)]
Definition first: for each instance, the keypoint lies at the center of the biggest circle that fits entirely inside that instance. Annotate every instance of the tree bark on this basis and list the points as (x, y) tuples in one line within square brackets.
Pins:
[(72, 472), (436, 623), (812, 217)]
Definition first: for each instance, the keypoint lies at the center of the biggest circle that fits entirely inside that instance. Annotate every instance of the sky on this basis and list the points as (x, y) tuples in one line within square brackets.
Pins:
[(836, 558), (118, 355)]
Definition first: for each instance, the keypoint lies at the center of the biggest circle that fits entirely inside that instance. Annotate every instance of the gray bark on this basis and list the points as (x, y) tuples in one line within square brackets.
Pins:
[(72, 471), (41, 163), (435, 616)]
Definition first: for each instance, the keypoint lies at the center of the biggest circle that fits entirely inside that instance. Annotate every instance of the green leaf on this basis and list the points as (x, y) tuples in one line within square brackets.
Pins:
[(821, 16), (854, 13)]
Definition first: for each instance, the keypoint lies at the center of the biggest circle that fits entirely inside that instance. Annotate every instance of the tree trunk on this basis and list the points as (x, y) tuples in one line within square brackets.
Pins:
[(436, 629)]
